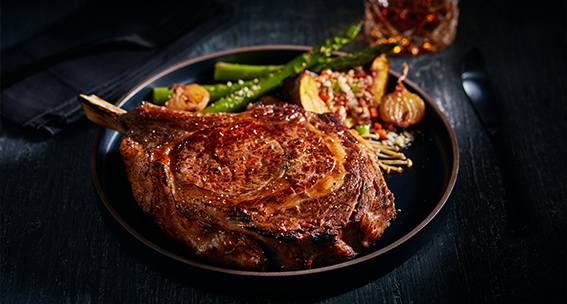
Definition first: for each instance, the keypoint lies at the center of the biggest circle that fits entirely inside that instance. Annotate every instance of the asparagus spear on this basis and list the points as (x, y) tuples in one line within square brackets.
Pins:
[(225, 71), (354, 59), (233, 71), (216, 91), (239, 99)]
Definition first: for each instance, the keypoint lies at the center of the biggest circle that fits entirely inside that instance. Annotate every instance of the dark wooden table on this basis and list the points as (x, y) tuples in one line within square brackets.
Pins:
[(56, 246)]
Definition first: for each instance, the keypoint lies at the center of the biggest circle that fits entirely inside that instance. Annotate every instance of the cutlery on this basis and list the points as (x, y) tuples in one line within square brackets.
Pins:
[(153, 38), (478, 88)]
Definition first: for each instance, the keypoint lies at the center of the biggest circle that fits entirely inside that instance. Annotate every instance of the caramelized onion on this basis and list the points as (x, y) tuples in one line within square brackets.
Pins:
[(401, 107)]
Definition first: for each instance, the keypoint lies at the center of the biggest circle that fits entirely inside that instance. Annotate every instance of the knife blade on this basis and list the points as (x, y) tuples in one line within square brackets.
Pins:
[(480, 92)]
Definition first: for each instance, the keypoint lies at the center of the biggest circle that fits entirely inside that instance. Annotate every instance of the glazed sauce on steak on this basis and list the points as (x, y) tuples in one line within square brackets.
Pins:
[(272, 188)]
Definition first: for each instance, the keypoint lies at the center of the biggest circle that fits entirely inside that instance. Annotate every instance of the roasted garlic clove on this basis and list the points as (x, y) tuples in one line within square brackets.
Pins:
[(191, 97)]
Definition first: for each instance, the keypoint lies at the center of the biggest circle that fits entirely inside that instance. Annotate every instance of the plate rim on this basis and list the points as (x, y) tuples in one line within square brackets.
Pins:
[(291, 273)]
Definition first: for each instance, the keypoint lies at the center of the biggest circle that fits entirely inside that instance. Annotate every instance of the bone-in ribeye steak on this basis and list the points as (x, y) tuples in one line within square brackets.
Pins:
[(272, 188)]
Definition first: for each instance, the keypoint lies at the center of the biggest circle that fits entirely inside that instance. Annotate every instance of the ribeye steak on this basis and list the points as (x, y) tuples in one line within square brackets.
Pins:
[(271, 188)]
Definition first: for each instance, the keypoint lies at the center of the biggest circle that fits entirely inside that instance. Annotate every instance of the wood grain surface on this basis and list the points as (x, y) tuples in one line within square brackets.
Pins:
[(57, 244)]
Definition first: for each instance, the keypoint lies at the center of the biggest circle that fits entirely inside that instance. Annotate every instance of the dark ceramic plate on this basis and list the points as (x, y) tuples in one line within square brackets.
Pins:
[(421, 192)]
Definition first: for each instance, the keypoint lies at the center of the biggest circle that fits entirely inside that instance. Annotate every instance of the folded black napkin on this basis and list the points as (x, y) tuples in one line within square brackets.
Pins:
[(47, 100)]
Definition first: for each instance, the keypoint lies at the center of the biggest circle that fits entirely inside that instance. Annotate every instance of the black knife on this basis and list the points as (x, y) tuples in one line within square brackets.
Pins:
[(480, 92)]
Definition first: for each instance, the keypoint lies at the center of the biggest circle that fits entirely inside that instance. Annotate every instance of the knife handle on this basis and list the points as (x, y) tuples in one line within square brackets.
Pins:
[(516, 207)]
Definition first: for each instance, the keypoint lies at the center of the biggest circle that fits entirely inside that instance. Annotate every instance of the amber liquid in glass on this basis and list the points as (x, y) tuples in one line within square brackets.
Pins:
[(421, 26)]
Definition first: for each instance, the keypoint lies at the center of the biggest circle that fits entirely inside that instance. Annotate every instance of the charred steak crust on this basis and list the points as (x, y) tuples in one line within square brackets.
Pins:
[(272, 188)]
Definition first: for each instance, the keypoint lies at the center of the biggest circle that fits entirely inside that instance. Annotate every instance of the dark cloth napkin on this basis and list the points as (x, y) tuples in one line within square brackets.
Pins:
[(47, 100)]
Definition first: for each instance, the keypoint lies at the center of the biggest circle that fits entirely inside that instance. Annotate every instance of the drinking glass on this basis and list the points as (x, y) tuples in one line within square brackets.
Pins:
[(420, 26)]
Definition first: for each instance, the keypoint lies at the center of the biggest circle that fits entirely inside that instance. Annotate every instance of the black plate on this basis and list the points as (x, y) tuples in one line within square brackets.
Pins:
[(421, 192)]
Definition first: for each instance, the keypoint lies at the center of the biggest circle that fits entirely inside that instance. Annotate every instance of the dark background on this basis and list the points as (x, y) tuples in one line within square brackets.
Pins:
[(56, 246)]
